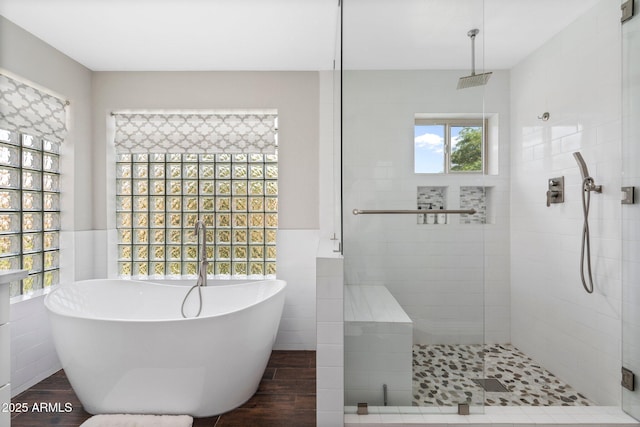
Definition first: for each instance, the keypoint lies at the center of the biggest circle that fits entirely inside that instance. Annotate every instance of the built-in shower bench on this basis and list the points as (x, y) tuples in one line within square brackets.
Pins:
[(378, 343)]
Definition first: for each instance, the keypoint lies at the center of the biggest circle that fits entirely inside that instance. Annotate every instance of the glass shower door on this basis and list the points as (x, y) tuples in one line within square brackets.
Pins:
[(631, 212), (413, 236)]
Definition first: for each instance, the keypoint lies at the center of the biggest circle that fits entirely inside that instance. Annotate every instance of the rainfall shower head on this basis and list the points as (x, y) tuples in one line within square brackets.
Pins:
[(474, 79), (582, 165)]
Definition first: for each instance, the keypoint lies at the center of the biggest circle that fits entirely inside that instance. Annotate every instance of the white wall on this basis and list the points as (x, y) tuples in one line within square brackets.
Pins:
[(434, 271), (576, 78), (329, 156), (28, 58), (294, 94), (296, 97)]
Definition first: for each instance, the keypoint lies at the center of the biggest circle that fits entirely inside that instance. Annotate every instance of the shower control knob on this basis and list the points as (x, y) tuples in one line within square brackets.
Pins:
[(555, 193)]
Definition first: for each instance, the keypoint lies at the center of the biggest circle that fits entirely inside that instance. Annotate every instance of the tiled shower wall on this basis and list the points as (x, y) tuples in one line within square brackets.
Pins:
[(474, 198), (469, 198), (330, 333), (576, 77), (435, 272), (436, 196)]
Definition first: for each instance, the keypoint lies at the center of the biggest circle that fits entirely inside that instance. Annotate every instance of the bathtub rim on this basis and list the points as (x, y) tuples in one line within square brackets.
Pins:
[(148, 283)]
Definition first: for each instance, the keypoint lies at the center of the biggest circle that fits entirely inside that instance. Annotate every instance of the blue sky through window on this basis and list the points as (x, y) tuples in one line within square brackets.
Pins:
[(429, 148)]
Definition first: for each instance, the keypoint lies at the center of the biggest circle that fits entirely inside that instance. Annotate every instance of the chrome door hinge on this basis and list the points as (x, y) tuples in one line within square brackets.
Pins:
[(628, 195), (627, 11), (628, 379)]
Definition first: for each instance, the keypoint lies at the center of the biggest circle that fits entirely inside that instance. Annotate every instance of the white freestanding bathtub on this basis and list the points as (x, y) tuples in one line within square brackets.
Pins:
[(126, 348)]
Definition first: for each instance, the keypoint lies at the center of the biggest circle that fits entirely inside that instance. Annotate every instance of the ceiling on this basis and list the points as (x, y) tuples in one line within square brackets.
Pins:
[(153, 35)]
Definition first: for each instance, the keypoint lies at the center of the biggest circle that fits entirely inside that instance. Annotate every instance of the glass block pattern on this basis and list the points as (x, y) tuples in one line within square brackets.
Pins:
[(476, 198), (161, 196), (30, 209)]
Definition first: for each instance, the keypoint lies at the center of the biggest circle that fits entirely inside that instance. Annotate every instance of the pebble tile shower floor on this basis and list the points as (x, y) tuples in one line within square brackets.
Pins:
[(443, 376)]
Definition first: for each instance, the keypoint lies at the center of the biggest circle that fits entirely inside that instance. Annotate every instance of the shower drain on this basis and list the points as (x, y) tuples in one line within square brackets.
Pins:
[(491, 384)]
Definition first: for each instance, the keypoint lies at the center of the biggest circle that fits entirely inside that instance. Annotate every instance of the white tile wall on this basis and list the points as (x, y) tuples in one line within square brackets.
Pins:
[(5, 356), (5, 343), (33, 356), (435, 272), (296, 265), (631, 213), (576, 77), (330, 335), (5, 396)]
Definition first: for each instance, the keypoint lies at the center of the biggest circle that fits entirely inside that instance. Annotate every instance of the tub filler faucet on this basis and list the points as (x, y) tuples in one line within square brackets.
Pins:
[(202, 263), (201, 229)]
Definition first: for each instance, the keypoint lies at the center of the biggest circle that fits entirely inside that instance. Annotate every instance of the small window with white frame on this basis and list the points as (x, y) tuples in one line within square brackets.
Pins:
[(443, 146)]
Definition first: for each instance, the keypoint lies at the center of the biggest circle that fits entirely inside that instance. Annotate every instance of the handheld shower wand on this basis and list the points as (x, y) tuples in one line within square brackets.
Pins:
[(588, 185), (585, 174), (202, 268)]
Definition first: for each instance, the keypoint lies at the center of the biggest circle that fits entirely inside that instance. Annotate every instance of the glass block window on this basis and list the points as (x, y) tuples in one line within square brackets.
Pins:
[(161, 196), (30, 209)]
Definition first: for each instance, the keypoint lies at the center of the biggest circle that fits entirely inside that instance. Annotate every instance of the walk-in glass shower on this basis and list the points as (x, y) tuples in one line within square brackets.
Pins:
[(420, 191), (461, 206)]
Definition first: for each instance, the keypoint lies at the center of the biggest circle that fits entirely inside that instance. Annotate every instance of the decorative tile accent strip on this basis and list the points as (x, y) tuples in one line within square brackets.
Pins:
[(476, 198), (443, 376)]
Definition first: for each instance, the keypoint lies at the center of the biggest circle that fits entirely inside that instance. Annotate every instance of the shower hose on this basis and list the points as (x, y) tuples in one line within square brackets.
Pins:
[(198, 285), (587, 186)]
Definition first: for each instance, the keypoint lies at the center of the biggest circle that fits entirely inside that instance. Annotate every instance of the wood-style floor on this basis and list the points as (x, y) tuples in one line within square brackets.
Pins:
[(286, 397)]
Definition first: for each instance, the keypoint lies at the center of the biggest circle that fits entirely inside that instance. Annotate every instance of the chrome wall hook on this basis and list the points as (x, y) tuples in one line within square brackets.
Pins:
[(544, 117)]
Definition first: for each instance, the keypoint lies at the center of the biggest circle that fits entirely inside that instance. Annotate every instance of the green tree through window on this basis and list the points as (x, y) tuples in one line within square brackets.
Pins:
[(466, 152)]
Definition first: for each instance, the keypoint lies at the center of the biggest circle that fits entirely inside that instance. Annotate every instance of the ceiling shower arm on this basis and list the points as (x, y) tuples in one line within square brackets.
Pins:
[(473, 53), (472, 34)]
